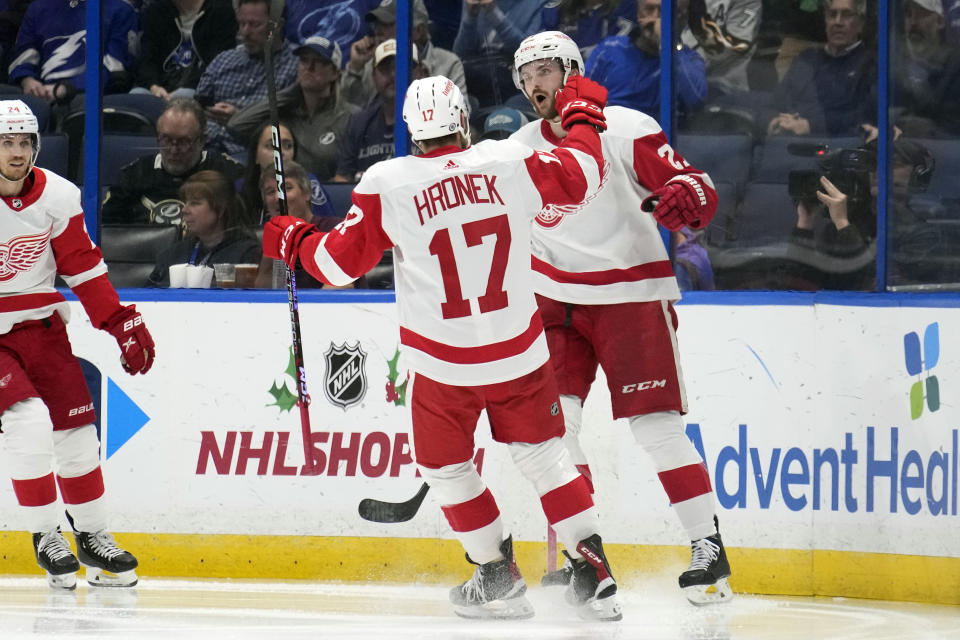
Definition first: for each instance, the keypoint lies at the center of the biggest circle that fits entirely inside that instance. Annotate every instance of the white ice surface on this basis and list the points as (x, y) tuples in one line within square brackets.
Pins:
[(220, 610)]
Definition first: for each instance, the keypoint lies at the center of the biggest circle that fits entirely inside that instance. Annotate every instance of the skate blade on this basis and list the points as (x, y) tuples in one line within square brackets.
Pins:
[(706, 594), (513, 609), (559, 578), (97, 577), (603, 610), (66, 581)]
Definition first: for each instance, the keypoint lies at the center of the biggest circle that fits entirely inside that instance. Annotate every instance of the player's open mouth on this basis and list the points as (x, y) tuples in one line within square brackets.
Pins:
[(540, 98)]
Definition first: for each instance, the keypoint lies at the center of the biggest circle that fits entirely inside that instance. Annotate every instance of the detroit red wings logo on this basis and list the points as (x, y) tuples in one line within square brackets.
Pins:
[(552, 214), (21, 254)]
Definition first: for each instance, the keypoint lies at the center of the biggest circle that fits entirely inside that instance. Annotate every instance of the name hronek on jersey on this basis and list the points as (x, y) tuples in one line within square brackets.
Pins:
[(454, 191)]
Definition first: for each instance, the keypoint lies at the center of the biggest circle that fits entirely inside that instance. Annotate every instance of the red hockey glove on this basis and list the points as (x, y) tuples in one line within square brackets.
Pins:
[(136, 344), (677, 204), (581, 100), (282, 236)]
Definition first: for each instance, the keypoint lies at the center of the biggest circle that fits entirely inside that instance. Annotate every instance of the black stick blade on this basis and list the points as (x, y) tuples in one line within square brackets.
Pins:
[(388, 512)]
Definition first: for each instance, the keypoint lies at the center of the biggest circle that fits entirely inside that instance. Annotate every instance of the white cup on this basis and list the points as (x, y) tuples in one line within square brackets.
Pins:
[(178, 276), (199, 276)]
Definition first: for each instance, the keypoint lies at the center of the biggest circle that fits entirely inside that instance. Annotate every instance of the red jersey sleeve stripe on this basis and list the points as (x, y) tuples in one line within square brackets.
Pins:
[(649, 270), (475, 355), (26, 301)]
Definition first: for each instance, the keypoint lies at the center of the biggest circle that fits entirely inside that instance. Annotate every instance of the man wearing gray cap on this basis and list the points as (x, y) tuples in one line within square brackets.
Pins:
[(358, 83), (312, 106)]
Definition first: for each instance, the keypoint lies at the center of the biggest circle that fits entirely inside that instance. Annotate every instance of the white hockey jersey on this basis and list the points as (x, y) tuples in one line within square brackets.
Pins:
[(460, 223), (42, 233), (606, 250)]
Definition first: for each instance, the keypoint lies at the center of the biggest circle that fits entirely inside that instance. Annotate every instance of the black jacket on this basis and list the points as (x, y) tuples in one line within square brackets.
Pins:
[(239, 246), (214, 31), (146, 193)]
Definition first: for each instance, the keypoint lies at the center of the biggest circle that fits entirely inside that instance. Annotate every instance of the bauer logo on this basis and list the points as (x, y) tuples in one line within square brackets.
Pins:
[(345, 382), (919, 362)]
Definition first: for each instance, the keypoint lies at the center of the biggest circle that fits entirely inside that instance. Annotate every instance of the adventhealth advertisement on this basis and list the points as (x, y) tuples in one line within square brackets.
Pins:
[(823, 427)]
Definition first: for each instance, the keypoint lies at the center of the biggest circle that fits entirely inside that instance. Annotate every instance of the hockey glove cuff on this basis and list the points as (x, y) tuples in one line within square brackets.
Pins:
[(677, 204), (581, 100), (136, 343), (282, 236)]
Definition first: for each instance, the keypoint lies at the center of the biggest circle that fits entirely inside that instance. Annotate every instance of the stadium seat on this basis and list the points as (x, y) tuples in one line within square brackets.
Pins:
[(726, 158), (340, 196), (115, 119), (779, 155), (766, 217), (53, 153), (131, 251), (119, 150)]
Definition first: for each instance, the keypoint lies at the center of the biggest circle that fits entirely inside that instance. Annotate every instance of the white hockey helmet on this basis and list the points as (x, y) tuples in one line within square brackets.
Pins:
[(547, 44), (16, 117), (434, 108)]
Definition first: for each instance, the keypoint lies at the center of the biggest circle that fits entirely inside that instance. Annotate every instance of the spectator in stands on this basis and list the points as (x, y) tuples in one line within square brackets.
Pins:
[(587, 23), (502, 123), (369, 136), (691, 263), (490, 31), (215, 230), (236, 78), (180, 38), (927, 73), (358, 84), (312, 107), (837, 252), (830, 90), (297, 185), (724, 33), (260, 160), (629, 66), (50, 51), (148, 188)]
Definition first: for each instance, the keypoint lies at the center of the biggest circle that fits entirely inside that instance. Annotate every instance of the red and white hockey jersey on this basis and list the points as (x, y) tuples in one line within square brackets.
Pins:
[(460, 223), (607, 250), (42, 233)]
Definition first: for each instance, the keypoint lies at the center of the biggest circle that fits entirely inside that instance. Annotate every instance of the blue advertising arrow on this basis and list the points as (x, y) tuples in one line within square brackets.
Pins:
[(124, 418)]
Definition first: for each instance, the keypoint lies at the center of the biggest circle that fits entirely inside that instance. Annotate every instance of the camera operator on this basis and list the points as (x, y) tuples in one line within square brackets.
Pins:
[(837, 251)]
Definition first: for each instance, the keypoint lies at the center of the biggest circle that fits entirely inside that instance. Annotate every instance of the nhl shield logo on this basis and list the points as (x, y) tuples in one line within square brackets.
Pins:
[(17, 203), (346, 381)]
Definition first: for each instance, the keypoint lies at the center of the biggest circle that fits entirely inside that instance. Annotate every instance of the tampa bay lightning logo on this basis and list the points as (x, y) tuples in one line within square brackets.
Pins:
[(338, 21)]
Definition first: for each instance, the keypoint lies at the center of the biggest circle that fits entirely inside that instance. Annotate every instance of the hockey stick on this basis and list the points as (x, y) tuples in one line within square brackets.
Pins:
[(303, 398), (380, 511)]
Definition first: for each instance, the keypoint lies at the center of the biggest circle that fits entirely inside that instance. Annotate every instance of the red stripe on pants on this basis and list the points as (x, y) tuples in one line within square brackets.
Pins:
[(584, 470), (36, 492), (473, 514), (82, 488), (568, 500), (686, 482)]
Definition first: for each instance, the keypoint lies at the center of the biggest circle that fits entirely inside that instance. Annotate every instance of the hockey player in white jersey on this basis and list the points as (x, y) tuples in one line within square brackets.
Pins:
[(46, 413), (605, 289), (459, 219)]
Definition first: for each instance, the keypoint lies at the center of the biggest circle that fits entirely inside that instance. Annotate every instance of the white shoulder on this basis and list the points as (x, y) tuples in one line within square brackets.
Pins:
[(509, 149), (623, 122), (62, 196), (528, 134)]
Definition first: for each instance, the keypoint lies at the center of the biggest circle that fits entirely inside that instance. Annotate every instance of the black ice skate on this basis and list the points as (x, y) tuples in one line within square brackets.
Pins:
[(496, 590), (107, 564), (592, 590), (705, 581), (55, 557), (559, 578)]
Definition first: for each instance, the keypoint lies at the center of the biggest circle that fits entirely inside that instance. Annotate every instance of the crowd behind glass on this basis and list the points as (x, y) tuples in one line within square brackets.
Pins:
[(776, 99)]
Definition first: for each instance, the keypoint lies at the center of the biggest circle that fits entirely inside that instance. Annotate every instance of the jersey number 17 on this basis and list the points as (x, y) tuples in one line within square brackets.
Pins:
[(474, 232)]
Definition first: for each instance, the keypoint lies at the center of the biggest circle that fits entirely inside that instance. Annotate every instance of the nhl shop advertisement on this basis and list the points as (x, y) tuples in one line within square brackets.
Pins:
[(822, 427)]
